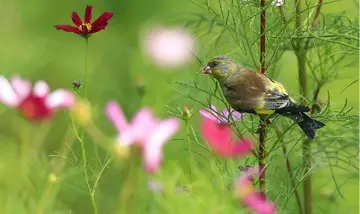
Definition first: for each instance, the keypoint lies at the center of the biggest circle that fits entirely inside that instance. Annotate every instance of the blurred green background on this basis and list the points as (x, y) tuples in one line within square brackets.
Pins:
[(31, 47)]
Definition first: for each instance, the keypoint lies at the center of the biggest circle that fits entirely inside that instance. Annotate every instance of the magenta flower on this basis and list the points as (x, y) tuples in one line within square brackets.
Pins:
[(219, 137), (248, 195), (225, 117), (146, 132), (34, 103)]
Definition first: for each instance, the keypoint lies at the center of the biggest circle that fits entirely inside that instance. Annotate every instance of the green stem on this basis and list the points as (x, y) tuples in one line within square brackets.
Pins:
[(300, 52), (302, 75), (189, 146), (101, 173), (86, 68), (307, 181), (83, 151), (129, 186)]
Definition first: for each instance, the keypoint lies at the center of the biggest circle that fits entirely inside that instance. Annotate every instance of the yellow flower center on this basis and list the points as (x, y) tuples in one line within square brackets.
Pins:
[(87, 25)]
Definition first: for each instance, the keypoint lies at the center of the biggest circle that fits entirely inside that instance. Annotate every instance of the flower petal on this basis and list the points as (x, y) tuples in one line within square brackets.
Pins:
[(68, 28), (256, 202), (88, 13), (226, 113), (248, 195), (116, 116), (219, 137), (21, 87), (143, 122), (207, 114), (60, 98), (140, 128), (7, 94), (101, 22), (236, 116), (41, 89), (76, 19), (153, 146)]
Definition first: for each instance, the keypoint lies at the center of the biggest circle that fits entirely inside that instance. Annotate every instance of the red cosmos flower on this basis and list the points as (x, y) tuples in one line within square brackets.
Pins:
[(86, 28)]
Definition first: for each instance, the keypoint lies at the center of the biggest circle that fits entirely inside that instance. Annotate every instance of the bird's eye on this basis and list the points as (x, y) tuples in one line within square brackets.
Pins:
[(214, 64)]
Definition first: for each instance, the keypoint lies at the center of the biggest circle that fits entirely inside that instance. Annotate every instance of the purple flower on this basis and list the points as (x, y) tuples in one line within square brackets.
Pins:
[(225, 117)]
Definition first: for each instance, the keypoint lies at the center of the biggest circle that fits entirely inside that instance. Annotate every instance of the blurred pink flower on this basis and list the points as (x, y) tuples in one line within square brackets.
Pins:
[(34, 103), (224, 117), (168, 47), (144, 131), (248, 195), (219, 137)]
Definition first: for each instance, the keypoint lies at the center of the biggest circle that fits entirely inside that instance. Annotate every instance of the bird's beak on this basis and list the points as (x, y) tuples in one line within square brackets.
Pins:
[(206, 70)]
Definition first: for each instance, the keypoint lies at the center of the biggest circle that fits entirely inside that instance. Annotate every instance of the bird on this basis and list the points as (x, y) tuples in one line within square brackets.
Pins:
[(250, 91)]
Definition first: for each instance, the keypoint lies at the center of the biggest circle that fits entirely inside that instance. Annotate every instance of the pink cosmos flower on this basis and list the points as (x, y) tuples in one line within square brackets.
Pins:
[(144, 131), (224, 117), (168, 47), (249, 196), (219, 137), (34, 102)]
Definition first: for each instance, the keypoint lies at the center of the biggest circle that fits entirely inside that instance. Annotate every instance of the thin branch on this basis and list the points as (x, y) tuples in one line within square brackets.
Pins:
[(262, 156), (316, 18), (262, 37), (289, 169), (262, 125)]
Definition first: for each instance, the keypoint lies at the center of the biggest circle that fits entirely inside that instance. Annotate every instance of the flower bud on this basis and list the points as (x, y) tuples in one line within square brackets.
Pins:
[(81, 111)]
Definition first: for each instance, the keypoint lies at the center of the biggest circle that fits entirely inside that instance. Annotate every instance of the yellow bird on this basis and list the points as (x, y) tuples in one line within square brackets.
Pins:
[(253, 92)]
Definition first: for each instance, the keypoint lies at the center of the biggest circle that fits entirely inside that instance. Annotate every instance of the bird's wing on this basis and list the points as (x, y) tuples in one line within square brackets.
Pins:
[(276, 98)]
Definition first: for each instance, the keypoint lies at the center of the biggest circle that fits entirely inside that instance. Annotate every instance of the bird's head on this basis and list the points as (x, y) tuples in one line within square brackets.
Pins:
[(219, 67)]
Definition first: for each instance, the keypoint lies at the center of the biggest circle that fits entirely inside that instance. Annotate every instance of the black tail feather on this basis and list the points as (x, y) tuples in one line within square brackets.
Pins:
[(307, 124)]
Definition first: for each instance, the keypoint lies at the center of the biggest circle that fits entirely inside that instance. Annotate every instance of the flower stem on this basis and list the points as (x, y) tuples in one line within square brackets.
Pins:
[(86, 68), (83, 151), (129, 186), (189, 146)]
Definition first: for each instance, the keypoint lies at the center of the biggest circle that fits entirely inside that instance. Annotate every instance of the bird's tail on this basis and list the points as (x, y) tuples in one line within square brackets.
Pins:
[(306, 123)]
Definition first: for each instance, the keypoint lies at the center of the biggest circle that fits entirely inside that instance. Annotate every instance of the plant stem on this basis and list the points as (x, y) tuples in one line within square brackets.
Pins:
[(189, 147), (86, 68), (288, 167), (262, 125), (83, 151), (292, 179), (262, 156), (262, 37), (307, 181), (129, 186), (302, 74)]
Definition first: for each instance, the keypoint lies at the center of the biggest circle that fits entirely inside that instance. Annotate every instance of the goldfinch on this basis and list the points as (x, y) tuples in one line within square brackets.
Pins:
[(251, 91)]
